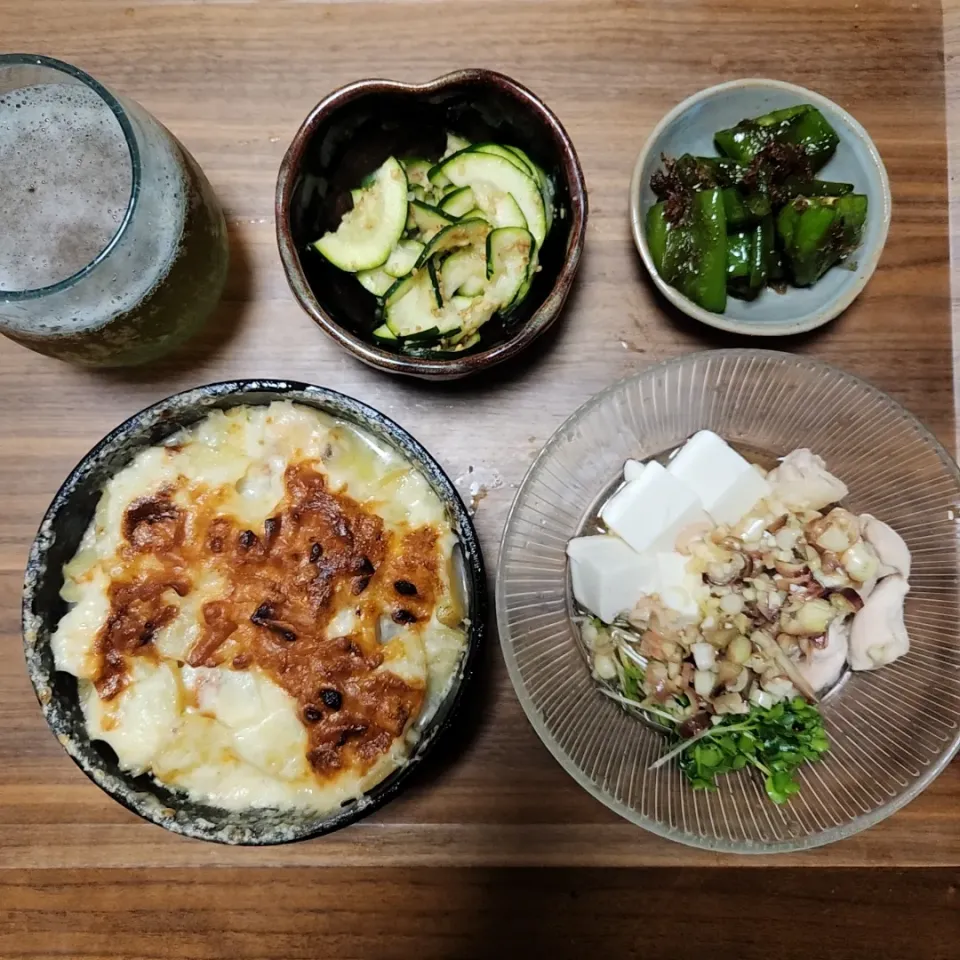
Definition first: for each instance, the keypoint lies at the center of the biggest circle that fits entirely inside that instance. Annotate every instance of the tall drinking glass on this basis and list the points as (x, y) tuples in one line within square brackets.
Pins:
[(113, 247)]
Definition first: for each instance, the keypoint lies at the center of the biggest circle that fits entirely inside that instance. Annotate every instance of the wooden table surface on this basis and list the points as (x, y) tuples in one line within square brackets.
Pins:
[(427, 876)]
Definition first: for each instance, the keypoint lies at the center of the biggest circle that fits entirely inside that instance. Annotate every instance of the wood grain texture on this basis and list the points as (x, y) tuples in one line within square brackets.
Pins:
[(233, 81), (396, 914)]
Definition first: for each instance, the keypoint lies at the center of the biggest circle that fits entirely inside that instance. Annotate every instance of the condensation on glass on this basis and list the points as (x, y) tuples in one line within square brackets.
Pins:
[(114, 247)]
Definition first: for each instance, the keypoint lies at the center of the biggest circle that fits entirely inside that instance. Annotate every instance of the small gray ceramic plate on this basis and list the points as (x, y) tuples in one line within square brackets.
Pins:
[(57, 541), (689, 128)]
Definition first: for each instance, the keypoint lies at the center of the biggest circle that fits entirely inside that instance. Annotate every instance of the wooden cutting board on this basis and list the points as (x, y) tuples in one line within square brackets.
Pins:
[(233, 80)]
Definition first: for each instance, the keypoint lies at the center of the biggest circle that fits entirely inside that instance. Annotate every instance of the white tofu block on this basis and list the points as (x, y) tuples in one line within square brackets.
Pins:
[(632, 470), (679, 589), (741, 498), (726, 484), (652, 509), (608, 577)]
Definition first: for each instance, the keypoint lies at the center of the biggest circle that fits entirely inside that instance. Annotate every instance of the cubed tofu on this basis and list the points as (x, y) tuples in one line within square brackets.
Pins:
[(608, 577), (649, 511), (679, 589), (741, 498), (726, 484), (632, 470)]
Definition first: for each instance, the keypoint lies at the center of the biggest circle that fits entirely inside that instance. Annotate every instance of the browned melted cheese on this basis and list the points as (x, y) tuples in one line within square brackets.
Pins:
[(320, 552)]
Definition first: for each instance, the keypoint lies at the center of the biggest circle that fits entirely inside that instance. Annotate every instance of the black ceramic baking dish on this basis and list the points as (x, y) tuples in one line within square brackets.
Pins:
[(59, 536)]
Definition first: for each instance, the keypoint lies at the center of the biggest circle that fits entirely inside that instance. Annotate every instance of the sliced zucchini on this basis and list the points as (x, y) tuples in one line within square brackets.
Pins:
[(498, 207), (475, 214), (510, 252), (458, 201), (548, 192), (454, 145), (465, 272), (467, 343), (403, 258), (545, 183), (471, 169), (463, 233), (416, 171), (435, 285), (410, 307), (438, 178), (377, 280), (385, 335), (473, 313), (525, 161), (401, 288), (440, 350), (498, 150), (428, 220), (369, 231), (524, 287)]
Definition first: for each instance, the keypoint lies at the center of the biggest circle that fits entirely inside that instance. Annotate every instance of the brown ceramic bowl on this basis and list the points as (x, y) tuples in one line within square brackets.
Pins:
[(351, 132)]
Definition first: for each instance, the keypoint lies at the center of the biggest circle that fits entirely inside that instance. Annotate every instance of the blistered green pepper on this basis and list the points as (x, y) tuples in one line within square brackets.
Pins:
[(803, 126), (759, 265), (657, 229), (748, 259), (689, 173), (797, 187), (695, 255), (743, 210), (771, 255), (739, 255), (818, 232)]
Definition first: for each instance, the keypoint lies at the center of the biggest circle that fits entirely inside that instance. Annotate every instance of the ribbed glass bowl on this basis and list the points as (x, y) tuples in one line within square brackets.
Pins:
[(892, 730)]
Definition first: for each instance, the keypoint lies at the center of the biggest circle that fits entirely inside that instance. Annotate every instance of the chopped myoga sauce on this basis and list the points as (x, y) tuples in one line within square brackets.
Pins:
[(320, 554)]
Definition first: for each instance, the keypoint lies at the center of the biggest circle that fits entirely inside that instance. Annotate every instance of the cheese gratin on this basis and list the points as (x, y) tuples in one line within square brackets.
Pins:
[(264, 610)]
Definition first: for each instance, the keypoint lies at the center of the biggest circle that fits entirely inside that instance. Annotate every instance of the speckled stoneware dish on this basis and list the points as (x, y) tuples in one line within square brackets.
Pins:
[(351, 132), (59, 537), (689, 128)]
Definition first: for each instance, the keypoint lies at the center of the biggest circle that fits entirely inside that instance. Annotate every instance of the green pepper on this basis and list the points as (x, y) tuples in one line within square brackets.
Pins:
[(747, 260), (818, 232), (811, 131), (743, 210), (759, 265), (739, 255), (771, 255), (799, 187), (734, 209), (705, 173), (657, 229), (695, 256), (744, 141), (803, 126)]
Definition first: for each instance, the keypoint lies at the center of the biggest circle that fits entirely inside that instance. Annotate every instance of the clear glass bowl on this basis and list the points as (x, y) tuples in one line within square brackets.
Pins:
[(892, 730)]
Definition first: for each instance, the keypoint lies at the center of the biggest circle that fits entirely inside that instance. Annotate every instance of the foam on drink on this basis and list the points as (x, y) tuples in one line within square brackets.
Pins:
[(65, 181)]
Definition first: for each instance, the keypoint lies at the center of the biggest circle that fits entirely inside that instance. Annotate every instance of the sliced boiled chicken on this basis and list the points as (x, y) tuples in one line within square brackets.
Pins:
[(879, 635), (802, 481)]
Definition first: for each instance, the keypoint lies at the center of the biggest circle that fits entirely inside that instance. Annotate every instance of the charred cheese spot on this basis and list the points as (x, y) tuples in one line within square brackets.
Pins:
[(255, 564)]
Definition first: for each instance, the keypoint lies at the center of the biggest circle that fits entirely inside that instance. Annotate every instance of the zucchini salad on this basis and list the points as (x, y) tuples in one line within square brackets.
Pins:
[(722, 599), (445, 246)]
